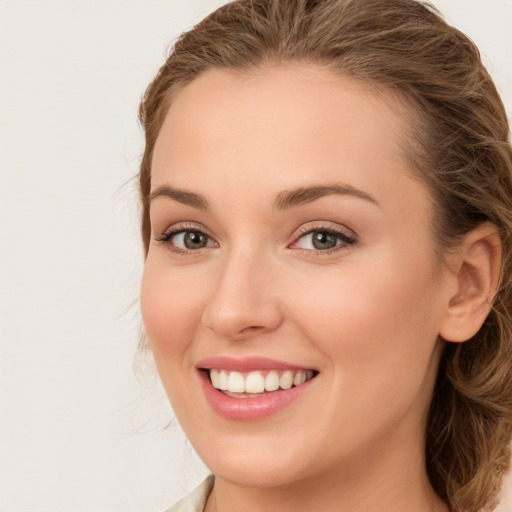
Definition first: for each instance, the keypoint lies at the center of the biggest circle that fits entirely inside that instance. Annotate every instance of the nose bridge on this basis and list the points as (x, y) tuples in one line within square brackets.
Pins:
[(242, 302)]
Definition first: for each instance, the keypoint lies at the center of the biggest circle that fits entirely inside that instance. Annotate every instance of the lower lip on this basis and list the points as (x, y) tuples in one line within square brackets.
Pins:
[(250, 409)]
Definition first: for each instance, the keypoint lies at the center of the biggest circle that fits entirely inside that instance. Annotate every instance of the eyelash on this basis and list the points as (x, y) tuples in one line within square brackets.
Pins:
[(167, 235), (342, 236)]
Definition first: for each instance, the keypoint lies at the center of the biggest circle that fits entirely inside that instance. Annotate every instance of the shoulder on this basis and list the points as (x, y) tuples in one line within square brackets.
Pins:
[(196, 500)]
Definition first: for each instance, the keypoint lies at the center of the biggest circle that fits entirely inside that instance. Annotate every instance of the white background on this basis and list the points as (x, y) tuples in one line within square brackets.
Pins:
[(78, 431)]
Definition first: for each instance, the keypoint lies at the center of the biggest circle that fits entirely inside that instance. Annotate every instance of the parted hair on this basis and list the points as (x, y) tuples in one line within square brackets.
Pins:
[(458, 145)]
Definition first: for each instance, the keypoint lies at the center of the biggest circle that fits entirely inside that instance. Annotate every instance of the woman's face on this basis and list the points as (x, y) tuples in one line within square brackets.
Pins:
[(289, 241)]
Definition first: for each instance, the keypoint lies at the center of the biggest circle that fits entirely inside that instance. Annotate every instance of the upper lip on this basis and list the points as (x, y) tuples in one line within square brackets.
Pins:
[(246, 364)]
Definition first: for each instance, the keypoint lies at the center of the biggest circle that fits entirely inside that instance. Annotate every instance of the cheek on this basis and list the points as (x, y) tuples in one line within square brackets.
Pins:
[(377, 332), (171, 307), (374, 320)]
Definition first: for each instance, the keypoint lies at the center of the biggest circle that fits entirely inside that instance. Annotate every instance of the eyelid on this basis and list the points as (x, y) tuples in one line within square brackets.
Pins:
[(320, 225), (180, 226)]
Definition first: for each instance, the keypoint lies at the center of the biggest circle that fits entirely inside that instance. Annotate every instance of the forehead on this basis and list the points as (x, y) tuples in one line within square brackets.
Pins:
[(282, 127)]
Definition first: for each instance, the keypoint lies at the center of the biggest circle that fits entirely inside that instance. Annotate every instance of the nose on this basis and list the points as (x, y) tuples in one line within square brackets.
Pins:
[(244, 300)]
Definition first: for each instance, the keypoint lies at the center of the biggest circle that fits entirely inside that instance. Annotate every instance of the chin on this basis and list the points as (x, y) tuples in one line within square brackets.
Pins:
[(260, 473), (260, 460)]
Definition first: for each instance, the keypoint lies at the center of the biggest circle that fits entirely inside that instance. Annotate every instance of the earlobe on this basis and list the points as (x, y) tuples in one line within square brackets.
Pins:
[(477, 269)]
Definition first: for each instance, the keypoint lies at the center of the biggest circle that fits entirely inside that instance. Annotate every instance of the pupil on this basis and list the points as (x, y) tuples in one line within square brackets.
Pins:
[(323, 240), (194, 240)]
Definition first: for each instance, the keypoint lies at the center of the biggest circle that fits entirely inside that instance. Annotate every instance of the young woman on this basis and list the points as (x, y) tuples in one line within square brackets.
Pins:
[(327, 220)]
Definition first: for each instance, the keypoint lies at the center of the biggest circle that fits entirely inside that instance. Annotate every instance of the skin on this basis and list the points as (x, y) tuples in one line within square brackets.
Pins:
[(367, 315)]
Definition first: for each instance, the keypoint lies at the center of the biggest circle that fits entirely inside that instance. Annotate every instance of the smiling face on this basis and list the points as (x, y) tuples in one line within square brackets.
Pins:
[(289, 244)]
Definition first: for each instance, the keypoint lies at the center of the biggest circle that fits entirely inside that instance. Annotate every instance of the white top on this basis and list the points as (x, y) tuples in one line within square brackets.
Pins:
[(196, 500)]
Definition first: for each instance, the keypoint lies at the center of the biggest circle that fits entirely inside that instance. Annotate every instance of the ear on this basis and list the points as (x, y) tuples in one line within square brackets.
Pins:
[(476, 269)]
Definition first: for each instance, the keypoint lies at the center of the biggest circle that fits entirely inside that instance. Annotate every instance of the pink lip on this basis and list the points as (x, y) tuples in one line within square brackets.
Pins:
[(246, 364), (248, 409)]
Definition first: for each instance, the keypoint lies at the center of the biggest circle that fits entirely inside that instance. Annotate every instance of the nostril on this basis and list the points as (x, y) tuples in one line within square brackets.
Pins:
[(252, 328)]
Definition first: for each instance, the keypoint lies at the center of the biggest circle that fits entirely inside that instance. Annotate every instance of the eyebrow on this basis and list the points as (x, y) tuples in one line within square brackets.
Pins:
[(182, 196), (303, 195), (284, 200)]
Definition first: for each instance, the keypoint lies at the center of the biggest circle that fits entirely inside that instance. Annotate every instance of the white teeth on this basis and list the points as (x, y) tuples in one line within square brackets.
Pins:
[(214, 377), (254, 382), (286, 380), (272, 381), (298, 379), (236, 382), (223, 380)]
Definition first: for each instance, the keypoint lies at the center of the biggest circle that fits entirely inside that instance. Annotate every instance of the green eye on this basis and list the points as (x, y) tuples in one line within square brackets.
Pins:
[(189, 240), (323, 240), (184, 240)]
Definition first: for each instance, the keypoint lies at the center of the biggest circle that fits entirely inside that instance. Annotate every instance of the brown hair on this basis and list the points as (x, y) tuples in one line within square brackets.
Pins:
[(458, 145)]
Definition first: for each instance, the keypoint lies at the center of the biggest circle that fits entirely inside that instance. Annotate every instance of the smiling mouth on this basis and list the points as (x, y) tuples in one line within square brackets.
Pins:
[(257, 383)]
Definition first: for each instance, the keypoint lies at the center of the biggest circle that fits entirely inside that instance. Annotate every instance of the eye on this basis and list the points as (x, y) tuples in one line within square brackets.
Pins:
[(183, 240), (190, 240), (323, 239)]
